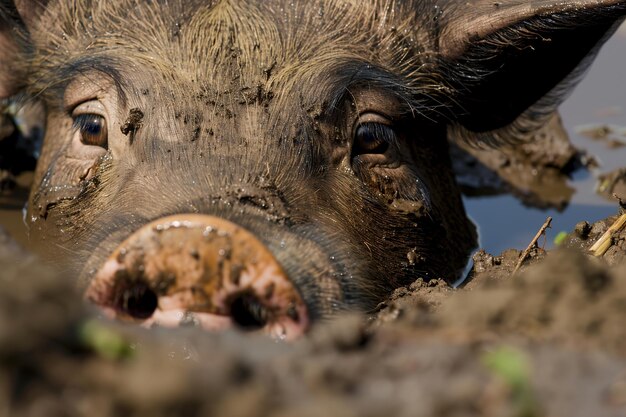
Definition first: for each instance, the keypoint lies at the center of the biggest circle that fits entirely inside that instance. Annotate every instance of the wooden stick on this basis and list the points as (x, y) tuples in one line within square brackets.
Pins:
[(605, 242), (532, 244)]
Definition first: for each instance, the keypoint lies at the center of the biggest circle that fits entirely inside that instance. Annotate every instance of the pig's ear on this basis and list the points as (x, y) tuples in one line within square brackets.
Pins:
[(15, 20), (511, 63)]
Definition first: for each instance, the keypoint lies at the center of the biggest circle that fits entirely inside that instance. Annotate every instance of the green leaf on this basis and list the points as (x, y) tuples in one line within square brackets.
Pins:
[(510, 364), (514, 368), (105, 341), (560, 238)]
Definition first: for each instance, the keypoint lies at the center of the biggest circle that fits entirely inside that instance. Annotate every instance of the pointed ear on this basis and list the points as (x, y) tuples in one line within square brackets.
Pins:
[(15, 20), (511, 63)]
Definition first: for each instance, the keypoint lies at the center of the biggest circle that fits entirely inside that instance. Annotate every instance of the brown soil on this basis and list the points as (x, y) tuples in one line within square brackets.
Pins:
[(612, 184), (535, 170), (611, 136), (547, 341)]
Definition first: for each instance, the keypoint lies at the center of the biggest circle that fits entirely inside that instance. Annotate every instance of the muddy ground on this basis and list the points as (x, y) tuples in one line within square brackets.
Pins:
[(547, 341)]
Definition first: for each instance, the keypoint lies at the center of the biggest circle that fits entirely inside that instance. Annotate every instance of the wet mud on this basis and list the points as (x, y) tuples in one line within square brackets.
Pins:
[(612, 136), (612, 184), (536, 170), (548, 340)]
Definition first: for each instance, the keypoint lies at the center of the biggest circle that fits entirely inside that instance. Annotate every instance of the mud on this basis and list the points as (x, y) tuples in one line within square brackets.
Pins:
[(536, 171), (611, 135), (612, 184), (585, 236), (546, 341)]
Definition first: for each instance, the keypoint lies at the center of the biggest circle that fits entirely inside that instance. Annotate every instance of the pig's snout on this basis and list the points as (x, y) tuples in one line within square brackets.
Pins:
[(198, 270)]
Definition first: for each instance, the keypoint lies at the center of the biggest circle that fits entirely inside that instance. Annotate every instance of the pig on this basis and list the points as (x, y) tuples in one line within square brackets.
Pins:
[(268, 164)]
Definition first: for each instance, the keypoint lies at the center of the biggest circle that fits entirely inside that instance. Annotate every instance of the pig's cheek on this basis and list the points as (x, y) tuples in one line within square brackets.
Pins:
[(79, 163), (399, 187), (384, 181), (72, 171), (65, 179)]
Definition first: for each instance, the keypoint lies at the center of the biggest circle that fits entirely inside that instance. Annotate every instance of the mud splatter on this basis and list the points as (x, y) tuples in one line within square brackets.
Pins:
[(133, 122)]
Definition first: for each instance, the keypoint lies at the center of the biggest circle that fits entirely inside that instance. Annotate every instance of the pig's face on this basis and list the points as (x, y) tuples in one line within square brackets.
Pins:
[(269, 162), (323, 151)]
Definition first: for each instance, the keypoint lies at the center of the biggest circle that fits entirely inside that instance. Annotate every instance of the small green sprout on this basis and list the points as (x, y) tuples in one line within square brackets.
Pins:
[(560, 238), (514, 368), (105, 341)]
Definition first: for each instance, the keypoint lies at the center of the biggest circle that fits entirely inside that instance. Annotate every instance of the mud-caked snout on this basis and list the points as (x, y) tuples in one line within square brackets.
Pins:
[(198, 270)]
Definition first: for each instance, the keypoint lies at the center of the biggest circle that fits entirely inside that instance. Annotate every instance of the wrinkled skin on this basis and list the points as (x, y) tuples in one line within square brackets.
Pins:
[(318, 126)]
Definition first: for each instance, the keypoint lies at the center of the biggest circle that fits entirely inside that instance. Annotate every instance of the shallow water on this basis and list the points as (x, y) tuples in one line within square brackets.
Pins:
[(11, 209), (600, 98)]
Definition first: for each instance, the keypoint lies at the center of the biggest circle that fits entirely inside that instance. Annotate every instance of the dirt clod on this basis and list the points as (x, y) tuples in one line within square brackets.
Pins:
[(582, 229), (612, 183), (133, 122), (535, 170)]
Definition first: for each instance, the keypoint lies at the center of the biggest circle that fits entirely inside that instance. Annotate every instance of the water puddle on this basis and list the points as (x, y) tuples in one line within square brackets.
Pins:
[(11, 206), (599, 100)]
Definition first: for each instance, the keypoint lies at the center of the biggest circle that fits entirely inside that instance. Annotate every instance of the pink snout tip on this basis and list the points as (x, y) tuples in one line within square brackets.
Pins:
[(198, 270)]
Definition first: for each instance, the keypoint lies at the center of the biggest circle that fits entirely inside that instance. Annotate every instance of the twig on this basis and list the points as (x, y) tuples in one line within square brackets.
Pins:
[(622, 204), (532, 244), (604, 243)]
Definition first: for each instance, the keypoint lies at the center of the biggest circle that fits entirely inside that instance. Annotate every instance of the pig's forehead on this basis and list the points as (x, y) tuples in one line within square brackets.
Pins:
[(225, 43)]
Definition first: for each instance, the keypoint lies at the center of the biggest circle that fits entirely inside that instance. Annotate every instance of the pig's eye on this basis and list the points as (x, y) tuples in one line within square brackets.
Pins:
[(372, 138), (92, 129)]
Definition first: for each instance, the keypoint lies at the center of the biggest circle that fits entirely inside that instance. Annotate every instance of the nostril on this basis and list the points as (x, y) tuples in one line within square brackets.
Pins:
[(248, 312), (137, 300), (176, 271)]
